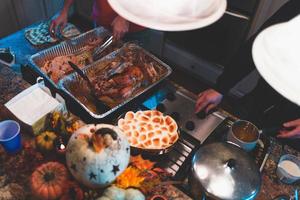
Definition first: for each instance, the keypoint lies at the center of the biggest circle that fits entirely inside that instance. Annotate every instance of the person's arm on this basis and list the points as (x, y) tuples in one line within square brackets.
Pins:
[(61, 19), (67, 5), (120, 27), (208, 100), (293, 129), (240, 66)]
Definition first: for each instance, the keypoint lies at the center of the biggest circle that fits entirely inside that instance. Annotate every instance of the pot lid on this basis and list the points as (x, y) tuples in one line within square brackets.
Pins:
[(226, 172), (171, 15), (276, 56)]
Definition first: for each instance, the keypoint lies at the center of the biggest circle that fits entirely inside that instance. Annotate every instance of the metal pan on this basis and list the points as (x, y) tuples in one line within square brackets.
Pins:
[(153, 152), (149, 152), (68, 47), (75, 89)]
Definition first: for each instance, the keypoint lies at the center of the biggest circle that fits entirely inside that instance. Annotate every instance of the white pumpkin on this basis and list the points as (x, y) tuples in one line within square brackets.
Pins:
[(97, 154)]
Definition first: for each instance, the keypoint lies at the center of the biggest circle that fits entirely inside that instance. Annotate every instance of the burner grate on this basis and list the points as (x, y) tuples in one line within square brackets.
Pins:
[(177, 161)]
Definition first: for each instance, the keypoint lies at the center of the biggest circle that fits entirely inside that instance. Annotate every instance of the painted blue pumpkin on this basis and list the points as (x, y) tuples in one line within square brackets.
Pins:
[(97, 154)]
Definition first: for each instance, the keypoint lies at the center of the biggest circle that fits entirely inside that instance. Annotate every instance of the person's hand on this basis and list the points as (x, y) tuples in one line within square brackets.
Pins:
[(293, 129), (208, 100), (120, 27), (58, 22)]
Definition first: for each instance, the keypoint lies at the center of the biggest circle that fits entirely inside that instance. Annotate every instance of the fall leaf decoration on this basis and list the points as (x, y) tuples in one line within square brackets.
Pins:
[(149, 184), (73, 192), (153, 178), (130, 178), (140, 163), (55, 119), (140, 174), (72, 126), (98, 143)]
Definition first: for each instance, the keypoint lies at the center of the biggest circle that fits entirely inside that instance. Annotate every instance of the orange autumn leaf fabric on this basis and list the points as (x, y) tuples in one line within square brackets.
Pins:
[(140, 163), (130, 178)]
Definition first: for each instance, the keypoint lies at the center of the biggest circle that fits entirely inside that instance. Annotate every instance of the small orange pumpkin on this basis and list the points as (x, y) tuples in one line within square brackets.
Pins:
[(45, 140), (49, 181)]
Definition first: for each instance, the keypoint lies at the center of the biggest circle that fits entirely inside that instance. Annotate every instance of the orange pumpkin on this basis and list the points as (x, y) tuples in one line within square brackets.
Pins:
[(74, 192), (49, 181)]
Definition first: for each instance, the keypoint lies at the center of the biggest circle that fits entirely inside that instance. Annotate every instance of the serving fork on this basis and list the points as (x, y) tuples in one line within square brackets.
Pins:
[(98, 50)]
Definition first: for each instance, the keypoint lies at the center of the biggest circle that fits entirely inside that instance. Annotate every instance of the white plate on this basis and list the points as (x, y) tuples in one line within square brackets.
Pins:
[(276, 54), (170, 15)]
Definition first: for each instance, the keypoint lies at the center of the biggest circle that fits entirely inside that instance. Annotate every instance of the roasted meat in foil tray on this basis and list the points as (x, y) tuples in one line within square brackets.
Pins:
[(52, 63), (117, 78)]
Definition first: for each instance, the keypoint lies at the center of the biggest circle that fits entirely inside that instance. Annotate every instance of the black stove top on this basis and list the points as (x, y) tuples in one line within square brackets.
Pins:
[(195, 129), (180, 104)]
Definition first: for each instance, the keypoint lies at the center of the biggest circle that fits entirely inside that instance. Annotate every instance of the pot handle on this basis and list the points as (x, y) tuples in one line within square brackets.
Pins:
[(231, 163), (230, 142)]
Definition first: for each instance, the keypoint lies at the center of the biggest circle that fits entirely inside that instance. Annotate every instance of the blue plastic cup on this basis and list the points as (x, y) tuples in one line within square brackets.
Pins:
[(10, 137)]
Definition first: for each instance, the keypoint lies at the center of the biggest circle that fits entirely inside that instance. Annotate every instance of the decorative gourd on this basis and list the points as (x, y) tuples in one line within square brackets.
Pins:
[(55, 118), (134, 194), (115, 193), (97, 154), (49, 181), (72, 126), (103, 198), (74, 192), (45, 140), (57, 122)]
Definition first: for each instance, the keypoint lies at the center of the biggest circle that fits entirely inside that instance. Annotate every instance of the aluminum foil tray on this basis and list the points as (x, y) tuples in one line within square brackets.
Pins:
[(76, 88), (72, 46)]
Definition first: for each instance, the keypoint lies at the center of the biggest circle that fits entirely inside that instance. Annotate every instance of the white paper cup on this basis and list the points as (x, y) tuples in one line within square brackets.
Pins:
[(288, 169)]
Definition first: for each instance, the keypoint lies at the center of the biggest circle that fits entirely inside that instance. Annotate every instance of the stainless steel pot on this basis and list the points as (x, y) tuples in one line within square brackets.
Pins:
[(224, 171)]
